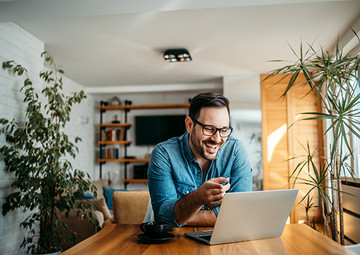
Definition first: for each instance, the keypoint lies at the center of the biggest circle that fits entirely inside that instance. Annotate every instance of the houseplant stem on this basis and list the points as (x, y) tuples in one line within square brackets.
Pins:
[(333, 77), (37, 154)]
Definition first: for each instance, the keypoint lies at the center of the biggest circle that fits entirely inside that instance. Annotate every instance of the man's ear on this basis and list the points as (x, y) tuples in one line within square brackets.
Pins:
[(189, 124)]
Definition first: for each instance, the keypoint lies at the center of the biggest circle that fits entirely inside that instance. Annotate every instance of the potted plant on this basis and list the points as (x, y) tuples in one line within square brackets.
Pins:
[(37, 153), (334, 77)]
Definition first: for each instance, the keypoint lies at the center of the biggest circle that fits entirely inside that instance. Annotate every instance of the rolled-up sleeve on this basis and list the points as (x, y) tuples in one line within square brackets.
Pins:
[(241, 171), (162, 187)]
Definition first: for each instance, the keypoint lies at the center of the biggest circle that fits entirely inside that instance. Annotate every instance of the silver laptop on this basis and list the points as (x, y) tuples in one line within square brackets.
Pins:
[(247, 216)]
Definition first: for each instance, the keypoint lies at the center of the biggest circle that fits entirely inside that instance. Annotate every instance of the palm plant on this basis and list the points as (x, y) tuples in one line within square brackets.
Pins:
[(334, 77), (36, 153), (316, 178)]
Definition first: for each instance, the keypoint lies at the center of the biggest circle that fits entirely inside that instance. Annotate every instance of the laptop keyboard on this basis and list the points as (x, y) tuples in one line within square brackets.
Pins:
[(207, 237)]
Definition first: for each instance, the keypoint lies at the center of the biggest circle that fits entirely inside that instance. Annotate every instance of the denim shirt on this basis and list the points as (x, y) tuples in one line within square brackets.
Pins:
[(173, 173)]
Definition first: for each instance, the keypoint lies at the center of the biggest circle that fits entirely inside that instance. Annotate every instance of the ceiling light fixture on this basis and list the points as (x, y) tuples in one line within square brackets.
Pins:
[(177, 55)]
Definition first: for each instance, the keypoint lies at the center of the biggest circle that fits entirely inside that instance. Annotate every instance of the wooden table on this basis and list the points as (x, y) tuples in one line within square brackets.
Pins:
[(122, 239)]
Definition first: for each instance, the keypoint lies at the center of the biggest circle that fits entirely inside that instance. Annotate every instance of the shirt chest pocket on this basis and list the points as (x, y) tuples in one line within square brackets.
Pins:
[(183, 189)]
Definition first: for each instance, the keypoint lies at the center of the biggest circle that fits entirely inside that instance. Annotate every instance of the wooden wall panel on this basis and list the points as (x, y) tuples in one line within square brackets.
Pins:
[(285, 136), (274, 138)]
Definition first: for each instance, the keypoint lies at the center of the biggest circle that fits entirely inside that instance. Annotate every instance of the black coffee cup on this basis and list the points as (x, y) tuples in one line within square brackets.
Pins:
[(154, 230)]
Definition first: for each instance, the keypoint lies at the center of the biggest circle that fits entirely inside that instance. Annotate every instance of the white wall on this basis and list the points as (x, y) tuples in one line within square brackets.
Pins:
[(16, 44), (248, 130), (243, 91)]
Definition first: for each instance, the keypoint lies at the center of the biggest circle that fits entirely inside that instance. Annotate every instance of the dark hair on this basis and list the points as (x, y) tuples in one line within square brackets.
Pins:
[(207, 99)]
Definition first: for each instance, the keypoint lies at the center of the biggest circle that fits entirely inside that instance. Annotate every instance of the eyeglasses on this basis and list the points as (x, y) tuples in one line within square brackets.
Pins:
[(210, 130)]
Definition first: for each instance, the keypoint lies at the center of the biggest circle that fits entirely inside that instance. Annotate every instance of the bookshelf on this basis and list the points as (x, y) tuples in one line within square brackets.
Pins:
[(115, 134)]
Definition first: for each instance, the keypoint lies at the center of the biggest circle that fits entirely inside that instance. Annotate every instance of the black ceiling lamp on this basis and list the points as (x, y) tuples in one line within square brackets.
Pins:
[(177, 55)]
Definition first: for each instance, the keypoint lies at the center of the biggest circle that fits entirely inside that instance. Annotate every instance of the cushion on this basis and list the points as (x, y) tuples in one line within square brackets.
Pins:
[(83, 228), (99, 184), (108, 194), (87, 195), (100, 205)]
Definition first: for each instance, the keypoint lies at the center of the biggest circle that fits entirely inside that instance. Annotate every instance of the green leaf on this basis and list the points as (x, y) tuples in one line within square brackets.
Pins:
[(328, 74), (36, 155)]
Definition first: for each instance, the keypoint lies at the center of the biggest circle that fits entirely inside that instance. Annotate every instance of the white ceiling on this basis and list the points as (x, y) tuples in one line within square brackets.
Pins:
[(117, 43)]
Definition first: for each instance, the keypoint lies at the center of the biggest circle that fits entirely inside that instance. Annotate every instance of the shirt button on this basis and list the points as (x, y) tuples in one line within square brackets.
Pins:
[(187, 192)]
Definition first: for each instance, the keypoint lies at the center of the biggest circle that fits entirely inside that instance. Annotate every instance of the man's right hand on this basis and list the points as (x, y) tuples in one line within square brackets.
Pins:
[(212, 192)]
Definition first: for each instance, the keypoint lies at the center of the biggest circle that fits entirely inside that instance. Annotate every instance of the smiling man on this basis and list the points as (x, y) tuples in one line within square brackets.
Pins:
[(189, 175)]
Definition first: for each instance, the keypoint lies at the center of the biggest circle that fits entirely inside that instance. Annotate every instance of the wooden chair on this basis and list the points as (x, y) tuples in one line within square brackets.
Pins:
[(130, 207)]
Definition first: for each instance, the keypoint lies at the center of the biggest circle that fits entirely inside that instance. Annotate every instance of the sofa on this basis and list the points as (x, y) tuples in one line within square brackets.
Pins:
[(82, 227), (127, 207)]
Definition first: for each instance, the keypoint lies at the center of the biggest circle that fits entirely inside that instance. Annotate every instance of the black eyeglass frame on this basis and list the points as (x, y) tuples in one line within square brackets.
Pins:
[(211, 126)]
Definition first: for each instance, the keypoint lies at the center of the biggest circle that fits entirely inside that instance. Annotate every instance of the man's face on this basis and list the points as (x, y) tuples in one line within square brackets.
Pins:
[(202, 145)]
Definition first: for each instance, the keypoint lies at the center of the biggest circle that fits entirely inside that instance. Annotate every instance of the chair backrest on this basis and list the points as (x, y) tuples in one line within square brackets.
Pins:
[(130, 207)]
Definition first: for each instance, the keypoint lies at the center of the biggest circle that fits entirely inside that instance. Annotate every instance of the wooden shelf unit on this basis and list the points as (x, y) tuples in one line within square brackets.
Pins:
[(150, 106), (114, 142), (123, 160), (134, 180), (126, 126)]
